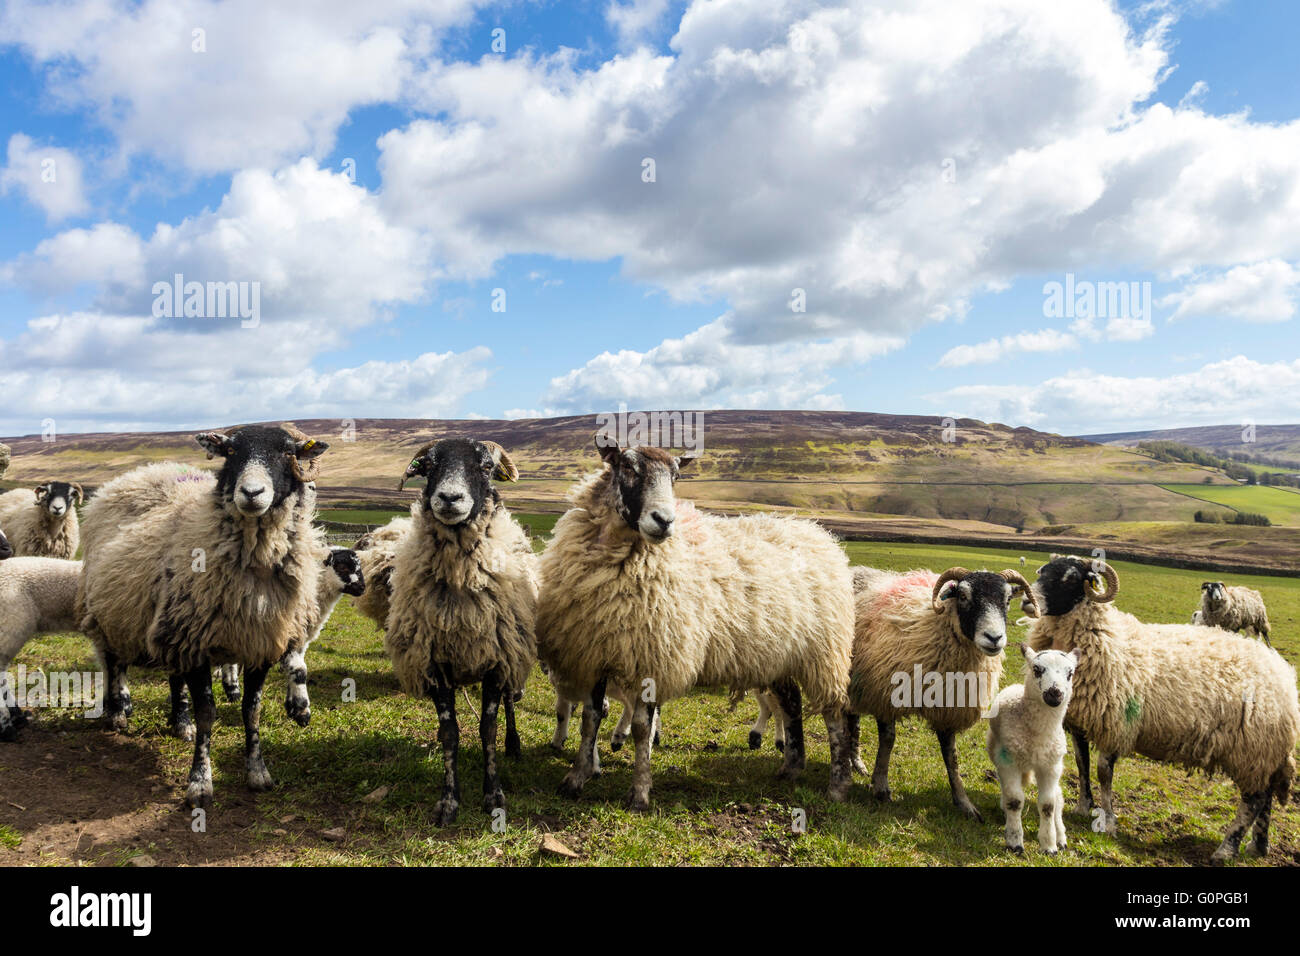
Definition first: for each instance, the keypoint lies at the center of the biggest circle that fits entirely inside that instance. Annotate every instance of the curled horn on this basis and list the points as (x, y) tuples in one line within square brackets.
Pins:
[(304, 473), (505, 467), (411, 469), (80, 492), (1028, 604), (1112, 585), (952, 574)]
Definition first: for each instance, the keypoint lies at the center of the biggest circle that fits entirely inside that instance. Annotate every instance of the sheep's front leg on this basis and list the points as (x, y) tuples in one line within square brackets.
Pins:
[(182, 724), (624, 726), (444, 698), (254, 680), (199, 791), (790, 702), (948, 747), (563, 711), (1248, 812), (1081, 761), (642, 729), (230, 682), (119, 707), (841, 766), (11, 715), (760, 725), (297, 703), (1105, 776), (493, 797), (514, 746), (1011, 782), (884, 747), (1050, 837), (1260, 838), (853, 730), (585, 764)]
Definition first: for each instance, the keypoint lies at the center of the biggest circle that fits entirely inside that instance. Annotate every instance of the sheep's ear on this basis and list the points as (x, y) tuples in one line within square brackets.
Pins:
[(1028, 651), (685, 460), (309, 448), (505, 469), (216, 444), (1076, 654), (609, 450), (1205, 586), (42, 491)]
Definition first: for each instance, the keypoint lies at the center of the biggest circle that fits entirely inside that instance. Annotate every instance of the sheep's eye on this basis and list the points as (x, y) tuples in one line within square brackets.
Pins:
[(1038, 672)]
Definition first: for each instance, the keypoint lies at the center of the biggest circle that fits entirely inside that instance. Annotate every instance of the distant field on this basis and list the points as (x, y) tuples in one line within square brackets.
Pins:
[(714, 801), (1278, 505)]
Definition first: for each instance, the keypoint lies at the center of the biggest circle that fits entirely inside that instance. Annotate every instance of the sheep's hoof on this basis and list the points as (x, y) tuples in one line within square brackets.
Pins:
[(882, 794), (779, 745), (198, 796), (1049, 852), (445, 810), (1084, 806), (117, 722), (8, 733), (558, 748), (19, 716), (638, 802), (496, 800), (755, 740), (233, 694), (299, 712), (656, 740), (259, 779), (839, 792), (616, 744), (1018, 850), (514, 748), (969, 810), (570, 788), (183, 731)]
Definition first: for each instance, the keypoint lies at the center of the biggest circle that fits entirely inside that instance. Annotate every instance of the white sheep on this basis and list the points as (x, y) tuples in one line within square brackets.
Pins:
[(930, 645), (44, 526), (1234, 608), (37, 596), (377, 550), (1026, 742), (646, 592), (463, 600), (1194, 696), (215, 574)]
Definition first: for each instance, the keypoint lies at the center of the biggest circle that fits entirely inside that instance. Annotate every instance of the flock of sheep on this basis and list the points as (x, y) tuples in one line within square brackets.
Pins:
[(640, 597)]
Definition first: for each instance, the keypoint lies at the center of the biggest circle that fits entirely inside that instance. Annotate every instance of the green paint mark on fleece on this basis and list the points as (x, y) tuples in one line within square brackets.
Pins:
[(1132, 710), (1004, 757)]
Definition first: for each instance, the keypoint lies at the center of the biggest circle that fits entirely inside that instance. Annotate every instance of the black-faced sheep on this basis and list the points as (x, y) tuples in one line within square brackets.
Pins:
[(647, 592), (1234, 608), (45, 526), (463, 600), (37, 596), (930, 645), (216, 574), (1199, 697)]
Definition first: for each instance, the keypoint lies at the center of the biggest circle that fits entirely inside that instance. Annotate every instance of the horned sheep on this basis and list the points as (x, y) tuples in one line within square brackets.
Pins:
[(217, 573), (463, 600), (1234, 608), (930, 645), (46, 527), (638, 587), (1198, 697)]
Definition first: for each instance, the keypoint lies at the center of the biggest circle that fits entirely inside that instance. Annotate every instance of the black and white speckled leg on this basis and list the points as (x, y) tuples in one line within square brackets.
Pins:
[(1105, 777), (1260, 838), (1082, 762), (948, 747), (493, 797), (258, 776), (181, 723), (514, 746), (563, 711), (642, 729), (118, 707), (853, 731), (297, 703), (585, 764), (199, 791), (230, 682), (884, 748), (841, 763), (444, 698), (1248, 811), (790, 701)]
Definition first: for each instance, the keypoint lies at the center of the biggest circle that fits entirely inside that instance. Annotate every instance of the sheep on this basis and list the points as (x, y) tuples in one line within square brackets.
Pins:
[(46, 527), (37, 596), (463, 600), (377, 549), (646, 592), (944, 631), (6, 550), (1194, 696), (564, 707), (1026, 742), (217, 573), (1234, 609), (4, 458)]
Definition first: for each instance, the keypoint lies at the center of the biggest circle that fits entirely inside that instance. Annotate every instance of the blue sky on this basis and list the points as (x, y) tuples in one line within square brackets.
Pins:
[(919, 170)]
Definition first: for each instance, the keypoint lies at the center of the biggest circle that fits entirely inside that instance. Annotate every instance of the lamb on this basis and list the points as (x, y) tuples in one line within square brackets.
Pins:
[(46, 527), (37, 596), (638, 587), (342, 575), (1181, 694), (1234, 608), (1026, 742), (216, 573), (930, 645), (463, 600)]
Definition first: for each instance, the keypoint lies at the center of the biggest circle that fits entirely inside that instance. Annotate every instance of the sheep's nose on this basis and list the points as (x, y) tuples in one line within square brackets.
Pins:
[(250, 492), (993, 637), (661, 521), (1052, 697), (450, 497)]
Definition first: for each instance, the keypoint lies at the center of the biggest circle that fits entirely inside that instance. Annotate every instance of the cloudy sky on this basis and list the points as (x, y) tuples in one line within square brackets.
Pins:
[(1079, 215)]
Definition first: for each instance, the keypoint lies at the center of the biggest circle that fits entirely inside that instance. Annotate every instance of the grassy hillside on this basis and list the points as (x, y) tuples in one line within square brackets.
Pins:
[(1280, 505), (714, 801)]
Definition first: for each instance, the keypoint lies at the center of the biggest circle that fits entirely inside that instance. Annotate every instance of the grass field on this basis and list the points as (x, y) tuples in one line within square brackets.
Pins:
[(90, 796), (1279, 505)]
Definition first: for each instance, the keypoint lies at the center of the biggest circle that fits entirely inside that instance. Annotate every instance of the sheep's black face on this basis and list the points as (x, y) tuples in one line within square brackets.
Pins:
[(458, 479), (1216, 594), (347, 567), (982, 600), (259, 470), (1062, 584), (58, 497), (5, 550), (642, 484)]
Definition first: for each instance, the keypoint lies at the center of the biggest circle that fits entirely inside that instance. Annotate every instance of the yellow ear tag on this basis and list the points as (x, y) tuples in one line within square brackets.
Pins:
[(311, 443)]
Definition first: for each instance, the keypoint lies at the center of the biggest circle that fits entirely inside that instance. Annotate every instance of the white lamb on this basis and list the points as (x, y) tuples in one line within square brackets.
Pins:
[(1026, 742)]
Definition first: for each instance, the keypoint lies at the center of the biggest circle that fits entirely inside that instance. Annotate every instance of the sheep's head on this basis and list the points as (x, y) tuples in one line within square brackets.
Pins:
[(458, 474), (347, 568), (6, 551), (980, 600), (1066, 581), (59, 497), (1050, 674), (263, 465), (1215, 593), (642, 484)]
